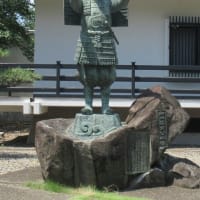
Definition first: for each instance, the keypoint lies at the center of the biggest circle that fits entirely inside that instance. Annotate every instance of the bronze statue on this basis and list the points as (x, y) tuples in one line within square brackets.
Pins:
[(96, 53)]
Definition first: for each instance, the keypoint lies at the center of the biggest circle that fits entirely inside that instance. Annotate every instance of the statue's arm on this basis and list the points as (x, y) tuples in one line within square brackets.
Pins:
[(118, 4), (76, 5)]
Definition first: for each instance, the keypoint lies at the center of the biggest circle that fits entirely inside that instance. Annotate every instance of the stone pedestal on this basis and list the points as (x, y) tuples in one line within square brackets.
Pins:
[(91, 150), (94, 156)]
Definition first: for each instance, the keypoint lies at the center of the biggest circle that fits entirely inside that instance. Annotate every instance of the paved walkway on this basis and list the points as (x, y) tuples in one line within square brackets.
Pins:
[(166, 193), (12, 186), (20, 165)]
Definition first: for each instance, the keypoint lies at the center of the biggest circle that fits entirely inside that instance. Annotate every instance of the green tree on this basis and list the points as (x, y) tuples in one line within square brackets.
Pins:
[(16, 19)]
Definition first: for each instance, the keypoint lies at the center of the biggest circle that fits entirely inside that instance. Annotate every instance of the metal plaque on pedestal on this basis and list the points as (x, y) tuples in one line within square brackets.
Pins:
[(91, 126), (138, 152)]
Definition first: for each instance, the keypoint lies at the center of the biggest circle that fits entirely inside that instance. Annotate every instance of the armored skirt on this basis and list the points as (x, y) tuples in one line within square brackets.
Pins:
[(96, 54), (96, 48)]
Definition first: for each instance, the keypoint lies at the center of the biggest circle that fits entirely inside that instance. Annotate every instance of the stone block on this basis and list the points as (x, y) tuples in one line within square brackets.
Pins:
[(159, 112)]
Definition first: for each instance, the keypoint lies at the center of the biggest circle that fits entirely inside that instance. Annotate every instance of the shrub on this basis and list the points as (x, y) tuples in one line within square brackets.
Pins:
[(15, 76)]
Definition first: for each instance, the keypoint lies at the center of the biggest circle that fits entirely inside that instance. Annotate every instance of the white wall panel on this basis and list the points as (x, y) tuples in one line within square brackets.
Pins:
[(144, 41)]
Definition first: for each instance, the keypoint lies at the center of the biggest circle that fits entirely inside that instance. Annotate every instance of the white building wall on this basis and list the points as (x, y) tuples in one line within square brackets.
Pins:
[(144, 41), (53, 40)]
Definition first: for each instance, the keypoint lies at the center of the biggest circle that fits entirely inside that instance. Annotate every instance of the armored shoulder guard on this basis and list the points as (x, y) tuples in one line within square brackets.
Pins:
[(119, 18)]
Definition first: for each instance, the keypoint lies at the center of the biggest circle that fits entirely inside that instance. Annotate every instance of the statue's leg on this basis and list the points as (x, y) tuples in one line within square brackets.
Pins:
[(88, 92), (105, 96), (87, 74), (107, 77)]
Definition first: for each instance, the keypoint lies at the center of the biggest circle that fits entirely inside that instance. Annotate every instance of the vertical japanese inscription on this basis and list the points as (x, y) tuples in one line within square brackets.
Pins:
[(138, 152), (162, 128)]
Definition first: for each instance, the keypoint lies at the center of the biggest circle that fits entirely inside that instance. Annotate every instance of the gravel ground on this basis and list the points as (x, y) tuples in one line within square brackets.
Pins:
[(20, 158), (11, 183), (192, 154), (17, 158), (20, 165)]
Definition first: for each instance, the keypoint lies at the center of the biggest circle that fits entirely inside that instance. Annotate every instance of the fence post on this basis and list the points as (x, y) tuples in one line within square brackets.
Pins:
[(58, 77), (133, 79), (9, 92)]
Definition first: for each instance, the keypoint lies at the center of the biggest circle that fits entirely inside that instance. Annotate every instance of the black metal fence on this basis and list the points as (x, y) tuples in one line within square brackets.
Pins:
[(136, 78)]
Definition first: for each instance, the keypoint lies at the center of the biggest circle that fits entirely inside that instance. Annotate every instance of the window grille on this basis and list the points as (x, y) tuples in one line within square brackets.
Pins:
[(181, 20), (184, 44)]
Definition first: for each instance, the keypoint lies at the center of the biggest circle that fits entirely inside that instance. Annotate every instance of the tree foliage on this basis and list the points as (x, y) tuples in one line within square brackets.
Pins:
[(16, 19)]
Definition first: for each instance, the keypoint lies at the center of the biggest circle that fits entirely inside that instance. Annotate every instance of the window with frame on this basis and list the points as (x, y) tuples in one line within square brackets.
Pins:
[(184, 44)]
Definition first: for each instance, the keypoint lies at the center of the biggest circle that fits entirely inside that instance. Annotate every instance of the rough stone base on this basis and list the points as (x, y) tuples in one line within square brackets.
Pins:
[(97, 150), (159, 112), (102, 161), (67, 159)]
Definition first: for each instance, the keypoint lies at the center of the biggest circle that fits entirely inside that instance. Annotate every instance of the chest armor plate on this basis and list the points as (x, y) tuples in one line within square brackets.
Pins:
[(96, 13), (119, 18), (96, 45)]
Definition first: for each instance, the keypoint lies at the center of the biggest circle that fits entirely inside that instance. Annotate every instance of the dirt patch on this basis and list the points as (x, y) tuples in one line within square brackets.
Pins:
[(14, 138)]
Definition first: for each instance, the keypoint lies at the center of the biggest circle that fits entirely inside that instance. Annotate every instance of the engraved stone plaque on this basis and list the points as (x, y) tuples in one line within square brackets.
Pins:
[(138, 152)]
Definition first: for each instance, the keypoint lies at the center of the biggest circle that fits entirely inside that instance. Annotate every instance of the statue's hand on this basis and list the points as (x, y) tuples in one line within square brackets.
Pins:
[(119, 4)]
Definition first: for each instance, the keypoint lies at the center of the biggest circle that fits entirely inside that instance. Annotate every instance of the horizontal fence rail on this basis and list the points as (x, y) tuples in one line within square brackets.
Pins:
[(61, 80)]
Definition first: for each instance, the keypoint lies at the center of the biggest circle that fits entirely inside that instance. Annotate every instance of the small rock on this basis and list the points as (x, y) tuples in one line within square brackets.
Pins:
[(184, 173), (189, 175), (186, 170), (168, 162), (190, 183), (154, 178), (2, 134)]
